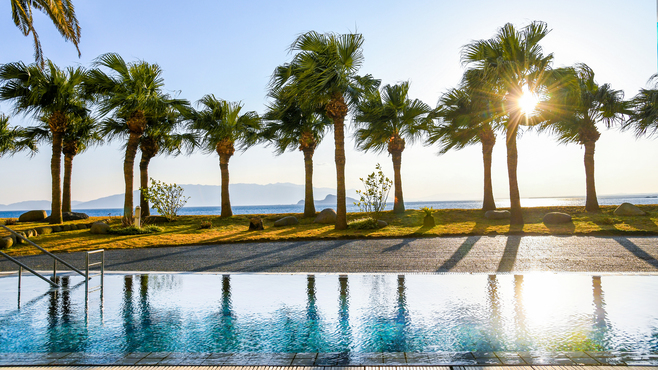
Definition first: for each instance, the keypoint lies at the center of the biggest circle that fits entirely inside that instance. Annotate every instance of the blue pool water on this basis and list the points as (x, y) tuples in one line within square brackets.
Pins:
[(356, 313)]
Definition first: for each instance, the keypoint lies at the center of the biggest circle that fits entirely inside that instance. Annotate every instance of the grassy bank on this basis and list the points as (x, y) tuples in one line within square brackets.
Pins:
[(449, 222)]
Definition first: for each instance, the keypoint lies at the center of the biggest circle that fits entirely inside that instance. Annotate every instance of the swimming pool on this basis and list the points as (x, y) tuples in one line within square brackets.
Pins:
[(330, 313)]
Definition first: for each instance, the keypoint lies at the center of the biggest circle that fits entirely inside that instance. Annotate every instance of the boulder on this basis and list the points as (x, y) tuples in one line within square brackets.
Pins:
[(67, 228), (32, 216), (99, 228), (327, 216), (286, 221), (429, 221), (497, 215), (81, 226), (627, 209), (44, 230), (56, 229), (19, 240), (382, 223), (74, 216), (30, 233), (556, 218), (256, 223), (6, 242)]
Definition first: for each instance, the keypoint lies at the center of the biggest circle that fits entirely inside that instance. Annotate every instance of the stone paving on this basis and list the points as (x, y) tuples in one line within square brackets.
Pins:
[(332, 359), (482, 254)]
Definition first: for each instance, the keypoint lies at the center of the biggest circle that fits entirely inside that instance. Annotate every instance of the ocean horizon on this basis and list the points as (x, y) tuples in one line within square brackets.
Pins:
[(299, 208)]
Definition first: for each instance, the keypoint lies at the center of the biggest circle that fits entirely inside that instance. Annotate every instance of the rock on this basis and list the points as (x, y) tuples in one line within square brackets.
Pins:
[(44, 230), (256, 223), (497, 215), (154, 220), (99, 228), (327, 216), (19, 240), (56, 229), (286, 221), (627, 209), (32, 216), (381, 223), (67, 228), (556, 218), (429, 221), (74, 216), (81, 226), (6, 242), (30, 233)]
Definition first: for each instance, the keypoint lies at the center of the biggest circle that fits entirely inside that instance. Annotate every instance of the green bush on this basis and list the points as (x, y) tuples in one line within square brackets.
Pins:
[(373, 198), (206, 224), (363, 224), (133, 230), (167, 199)]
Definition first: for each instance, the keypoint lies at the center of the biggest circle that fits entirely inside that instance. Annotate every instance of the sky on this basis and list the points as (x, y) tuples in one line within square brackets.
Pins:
[(230, 49)]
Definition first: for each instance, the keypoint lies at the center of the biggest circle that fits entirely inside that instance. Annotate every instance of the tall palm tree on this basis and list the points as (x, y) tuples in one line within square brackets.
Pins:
[(387, 120), (465, 118), (644, 117), (290, 127), (575, 104), (80, 135), (51, 94), (132, 93), (222, 127), (323, 73), (505, 64), (61, 13), (13, 140)]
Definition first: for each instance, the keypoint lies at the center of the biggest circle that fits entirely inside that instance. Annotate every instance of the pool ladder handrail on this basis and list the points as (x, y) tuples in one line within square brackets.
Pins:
[(53, 281), (100, 263)]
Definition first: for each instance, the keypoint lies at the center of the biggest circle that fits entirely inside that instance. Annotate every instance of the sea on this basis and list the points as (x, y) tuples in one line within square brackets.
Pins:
[(299, 208)]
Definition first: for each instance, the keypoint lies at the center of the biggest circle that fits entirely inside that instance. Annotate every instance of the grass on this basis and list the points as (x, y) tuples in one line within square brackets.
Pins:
[(449, 222)]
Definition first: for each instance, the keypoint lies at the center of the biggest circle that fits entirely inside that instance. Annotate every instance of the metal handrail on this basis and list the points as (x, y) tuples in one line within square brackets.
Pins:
[(21, 265), (102, 272), (46, 252)]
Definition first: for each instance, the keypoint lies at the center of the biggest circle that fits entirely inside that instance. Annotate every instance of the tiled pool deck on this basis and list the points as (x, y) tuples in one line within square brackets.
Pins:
[(392, 359)]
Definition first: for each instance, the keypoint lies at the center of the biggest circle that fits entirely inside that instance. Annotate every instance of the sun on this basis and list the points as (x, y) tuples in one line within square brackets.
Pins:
[(528, 101)]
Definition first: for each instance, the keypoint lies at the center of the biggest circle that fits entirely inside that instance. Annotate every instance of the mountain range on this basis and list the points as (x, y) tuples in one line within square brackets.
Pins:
[(202, 196)]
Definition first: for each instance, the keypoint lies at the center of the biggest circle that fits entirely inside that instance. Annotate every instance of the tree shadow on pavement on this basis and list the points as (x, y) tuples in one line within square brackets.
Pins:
[(459, 254), (509, 255), (637, 251)]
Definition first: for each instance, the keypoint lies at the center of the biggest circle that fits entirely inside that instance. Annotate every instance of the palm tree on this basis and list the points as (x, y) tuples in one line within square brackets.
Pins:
[(50, 94), (222, 127), (132, 93), (644, 117), (323, 74), (466, 118), (13, 140), (503, 65), (79, 136), (61, 13), (387, 120), (575, 104), (289, 127)]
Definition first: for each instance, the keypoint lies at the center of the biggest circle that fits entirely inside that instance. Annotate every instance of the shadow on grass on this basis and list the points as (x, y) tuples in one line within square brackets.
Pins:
[(509, 255), (459, 254), (637, 251)]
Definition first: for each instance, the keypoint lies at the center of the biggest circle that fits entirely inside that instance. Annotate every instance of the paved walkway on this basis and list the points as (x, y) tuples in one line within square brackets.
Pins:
[(478, 254)]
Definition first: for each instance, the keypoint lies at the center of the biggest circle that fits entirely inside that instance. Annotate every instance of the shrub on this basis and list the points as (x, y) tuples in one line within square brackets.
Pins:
[(167, 199), (373, 198), (363, 224), (428, 211), (206, 224), (10, 221), (133, 230)]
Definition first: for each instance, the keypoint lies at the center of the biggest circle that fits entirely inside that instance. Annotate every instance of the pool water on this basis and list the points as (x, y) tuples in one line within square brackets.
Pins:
[(355, 313)]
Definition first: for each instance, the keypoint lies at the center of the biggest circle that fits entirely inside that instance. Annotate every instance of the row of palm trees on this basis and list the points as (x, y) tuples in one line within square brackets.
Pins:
[(310, 95)]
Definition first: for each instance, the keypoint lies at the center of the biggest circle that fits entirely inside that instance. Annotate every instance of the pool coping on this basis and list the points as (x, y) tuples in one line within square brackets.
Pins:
[(387, 359)]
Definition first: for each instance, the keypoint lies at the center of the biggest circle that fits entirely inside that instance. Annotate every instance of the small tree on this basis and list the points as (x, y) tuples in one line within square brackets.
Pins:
[(167, 199), (373, 198)]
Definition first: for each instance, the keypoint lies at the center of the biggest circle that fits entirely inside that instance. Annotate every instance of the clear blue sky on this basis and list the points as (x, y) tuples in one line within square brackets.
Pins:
[(231, 48)]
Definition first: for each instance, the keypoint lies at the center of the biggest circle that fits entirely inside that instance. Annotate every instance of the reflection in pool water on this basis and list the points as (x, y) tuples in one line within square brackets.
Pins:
[(356, 313)]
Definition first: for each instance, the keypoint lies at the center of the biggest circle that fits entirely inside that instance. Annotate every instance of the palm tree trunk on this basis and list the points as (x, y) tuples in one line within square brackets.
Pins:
[(488, 204), (66, 191), (339, 139), (226, 200), (144, 184), (128, 165), (309, 205), (398, 204), (516, 217), (591, 203), (55, 171)]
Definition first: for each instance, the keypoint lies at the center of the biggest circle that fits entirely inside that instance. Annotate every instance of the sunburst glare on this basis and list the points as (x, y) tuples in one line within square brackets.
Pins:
[(528, 101)]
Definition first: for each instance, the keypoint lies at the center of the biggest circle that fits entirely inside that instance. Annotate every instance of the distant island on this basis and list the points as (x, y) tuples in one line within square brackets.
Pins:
[(330, 200)]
